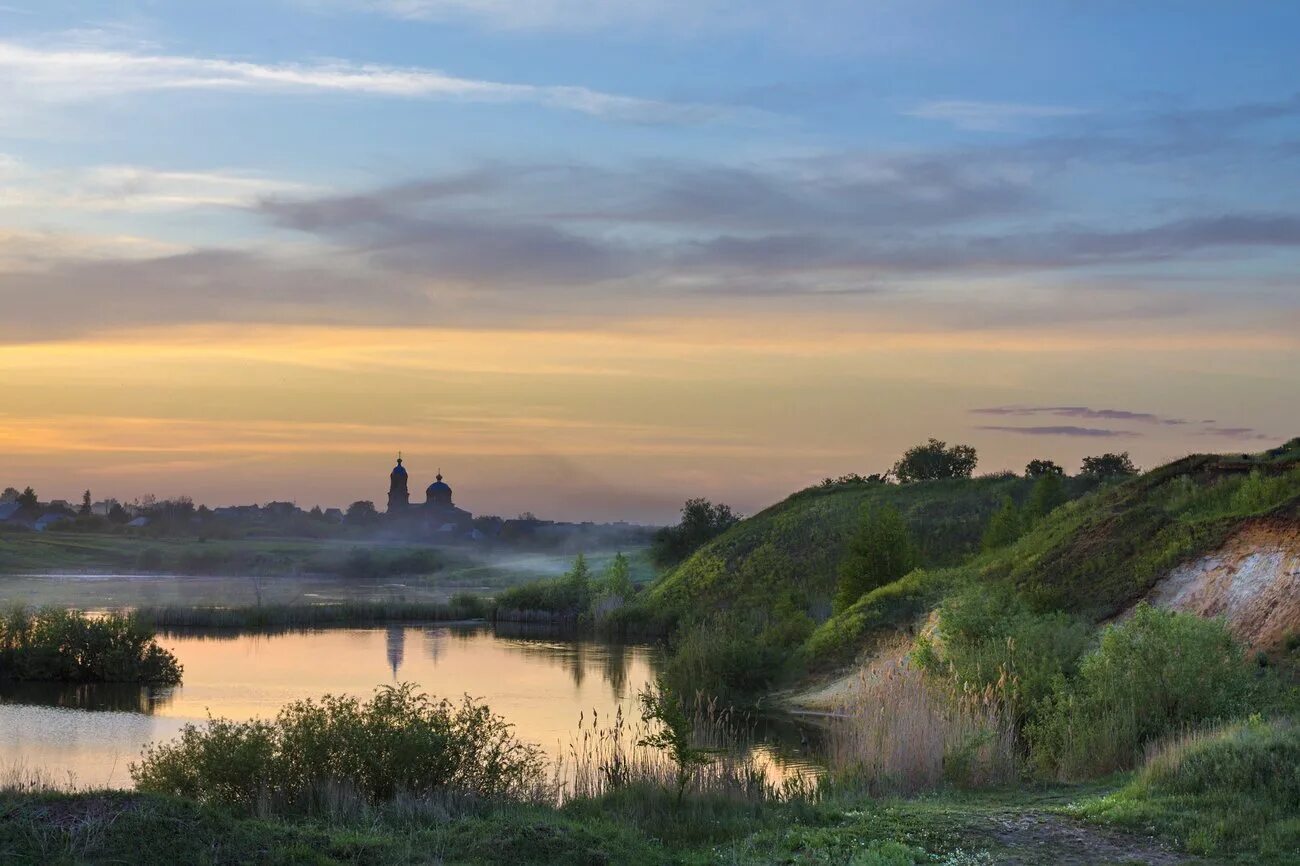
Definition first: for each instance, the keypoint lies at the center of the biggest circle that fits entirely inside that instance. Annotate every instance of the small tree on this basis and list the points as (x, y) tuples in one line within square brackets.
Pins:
[(1005, 526), (579, 580), (880, 552), (701, 521), (670, 731), (362, 512), (84, 511), (1039, 468), (617, 580), (1108, 466), (934, 461), (27, 499), (1047, 495)]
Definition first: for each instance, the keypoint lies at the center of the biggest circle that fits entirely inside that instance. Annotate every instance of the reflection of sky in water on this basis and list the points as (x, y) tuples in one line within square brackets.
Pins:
[(540, 686)]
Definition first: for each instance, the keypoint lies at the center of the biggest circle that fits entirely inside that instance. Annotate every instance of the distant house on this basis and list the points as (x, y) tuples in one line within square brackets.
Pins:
[(139, 523), (334, 515), (104, 507), (45, 521)]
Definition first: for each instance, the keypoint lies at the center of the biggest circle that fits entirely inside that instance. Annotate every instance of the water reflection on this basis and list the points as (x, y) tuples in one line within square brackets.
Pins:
[(395, 638), (94, 697)]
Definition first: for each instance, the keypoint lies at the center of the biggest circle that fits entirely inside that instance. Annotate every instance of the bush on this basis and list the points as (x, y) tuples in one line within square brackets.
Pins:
[(400, 742), (1151, 675), (987, 638), (728, 657), (55, 645)]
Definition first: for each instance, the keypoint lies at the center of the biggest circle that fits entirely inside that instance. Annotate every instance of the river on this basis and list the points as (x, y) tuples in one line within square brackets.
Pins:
[(86, 736)]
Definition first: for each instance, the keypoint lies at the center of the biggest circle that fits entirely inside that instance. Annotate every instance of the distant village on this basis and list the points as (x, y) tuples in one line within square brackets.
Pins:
[(437, 519)]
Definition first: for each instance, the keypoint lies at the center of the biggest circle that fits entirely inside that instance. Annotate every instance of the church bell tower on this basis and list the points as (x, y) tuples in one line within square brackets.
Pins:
[(398, 496)]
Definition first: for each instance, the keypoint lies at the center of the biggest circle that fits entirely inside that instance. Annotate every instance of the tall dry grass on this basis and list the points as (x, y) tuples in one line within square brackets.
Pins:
[(604, 757), (895, 732)]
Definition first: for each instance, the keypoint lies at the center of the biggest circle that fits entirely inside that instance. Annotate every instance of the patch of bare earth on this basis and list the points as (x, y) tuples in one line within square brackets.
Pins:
[(1253, 581), (1037, 839)]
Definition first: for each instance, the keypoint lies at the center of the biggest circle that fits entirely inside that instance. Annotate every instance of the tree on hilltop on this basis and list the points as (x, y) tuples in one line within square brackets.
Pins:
[(1039, 468), (1108, 466), (934, 461)]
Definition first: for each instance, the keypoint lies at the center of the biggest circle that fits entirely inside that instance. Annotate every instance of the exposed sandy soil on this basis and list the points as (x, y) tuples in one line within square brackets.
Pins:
[(1253, 581)]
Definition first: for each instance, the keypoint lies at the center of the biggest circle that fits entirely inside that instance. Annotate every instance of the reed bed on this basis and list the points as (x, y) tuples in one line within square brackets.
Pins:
[(296, 616), (895, 732), (603, 758)]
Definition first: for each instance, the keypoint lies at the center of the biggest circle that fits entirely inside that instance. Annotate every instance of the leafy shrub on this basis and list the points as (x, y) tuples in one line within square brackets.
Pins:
[(570, 594), (988, 638), (1156, 672), (57, 645), (399, 742), (727, 656)]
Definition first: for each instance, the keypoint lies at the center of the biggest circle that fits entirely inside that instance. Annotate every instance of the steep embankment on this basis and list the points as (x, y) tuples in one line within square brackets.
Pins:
[(1099, 555), (1253, 581), (792, 549)]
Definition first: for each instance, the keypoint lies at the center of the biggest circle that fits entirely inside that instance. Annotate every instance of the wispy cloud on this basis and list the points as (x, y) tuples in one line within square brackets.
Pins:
[(1079, 412), (1202, 428), (988, 116), (32, 74), (1060, 430), (132, 188)]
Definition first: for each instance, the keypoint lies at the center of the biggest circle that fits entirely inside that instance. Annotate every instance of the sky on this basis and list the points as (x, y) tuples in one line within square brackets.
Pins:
[(589, 259)]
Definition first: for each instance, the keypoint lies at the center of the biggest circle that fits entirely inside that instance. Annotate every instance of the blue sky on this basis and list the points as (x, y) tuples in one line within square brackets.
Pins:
[(959, 181)]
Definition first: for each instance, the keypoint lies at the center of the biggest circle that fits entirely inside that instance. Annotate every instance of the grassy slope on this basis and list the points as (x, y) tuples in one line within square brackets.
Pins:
[(797, 544), (1098, 554)]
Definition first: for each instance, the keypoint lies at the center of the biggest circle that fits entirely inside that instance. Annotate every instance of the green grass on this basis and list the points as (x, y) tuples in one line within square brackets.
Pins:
[(1233, 792), (632, 827)]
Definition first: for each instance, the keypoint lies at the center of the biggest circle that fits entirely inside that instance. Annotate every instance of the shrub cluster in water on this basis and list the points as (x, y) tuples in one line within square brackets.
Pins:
[(400, 742), (58, 645)]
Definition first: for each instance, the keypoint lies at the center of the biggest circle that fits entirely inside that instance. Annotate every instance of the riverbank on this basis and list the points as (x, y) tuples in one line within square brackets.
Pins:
[(630, 827)]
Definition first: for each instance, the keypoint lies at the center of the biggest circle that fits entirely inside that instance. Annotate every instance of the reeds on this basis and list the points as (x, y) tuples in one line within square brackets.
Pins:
[(301, 616), (894, 732), (605, 758)]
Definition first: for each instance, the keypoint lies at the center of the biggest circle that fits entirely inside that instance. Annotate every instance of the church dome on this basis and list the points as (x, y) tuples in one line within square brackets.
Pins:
[(399, 469), (439, 491)]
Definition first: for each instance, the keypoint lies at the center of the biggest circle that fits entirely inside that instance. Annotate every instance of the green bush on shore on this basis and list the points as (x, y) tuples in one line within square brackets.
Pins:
[(400, 742), (57, 645)]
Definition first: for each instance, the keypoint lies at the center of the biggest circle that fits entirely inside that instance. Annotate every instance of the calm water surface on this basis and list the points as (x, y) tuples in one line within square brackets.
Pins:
[(88, 735)]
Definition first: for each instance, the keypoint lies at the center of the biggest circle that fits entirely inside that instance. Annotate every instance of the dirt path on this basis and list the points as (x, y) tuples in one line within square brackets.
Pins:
[(1040, 839)]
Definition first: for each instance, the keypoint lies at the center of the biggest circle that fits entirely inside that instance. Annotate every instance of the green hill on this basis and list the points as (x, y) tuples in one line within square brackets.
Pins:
[(1095, 556), (794, 547), (753, 606)]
